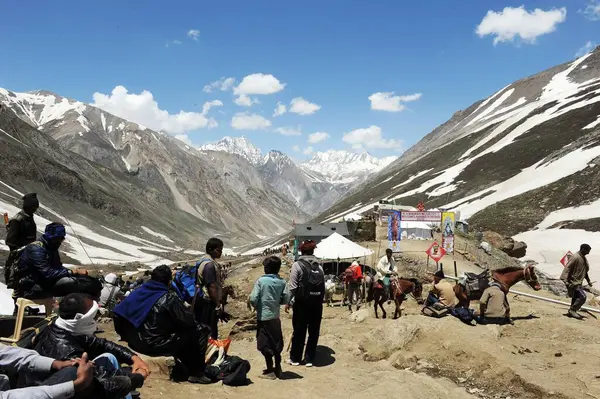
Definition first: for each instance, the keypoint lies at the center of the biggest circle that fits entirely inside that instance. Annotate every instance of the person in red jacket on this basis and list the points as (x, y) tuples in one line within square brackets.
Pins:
[(354, 278)]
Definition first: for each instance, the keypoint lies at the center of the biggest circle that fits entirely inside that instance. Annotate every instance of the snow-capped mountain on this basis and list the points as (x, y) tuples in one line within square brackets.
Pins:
[(345, 167), (108, 167), (522, 162), (237, 145)]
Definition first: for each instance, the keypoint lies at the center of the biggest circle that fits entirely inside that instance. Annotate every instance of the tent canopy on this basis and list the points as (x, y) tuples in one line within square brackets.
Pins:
[(337, 246)]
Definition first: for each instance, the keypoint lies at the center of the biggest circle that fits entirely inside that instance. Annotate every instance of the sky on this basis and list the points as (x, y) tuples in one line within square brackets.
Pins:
[(298, 77)]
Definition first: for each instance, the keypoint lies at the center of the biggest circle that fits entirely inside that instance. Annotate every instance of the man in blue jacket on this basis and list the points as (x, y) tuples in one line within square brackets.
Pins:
[(41, 273)]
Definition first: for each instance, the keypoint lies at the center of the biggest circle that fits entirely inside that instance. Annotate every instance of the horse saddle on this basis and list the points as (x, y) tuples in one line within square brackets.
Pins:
[(475, 283)]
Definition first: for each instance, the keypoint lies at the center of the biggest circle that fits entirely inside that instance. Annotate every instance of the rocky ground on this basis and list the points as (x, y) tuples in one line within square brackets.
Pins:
[(544, 355)]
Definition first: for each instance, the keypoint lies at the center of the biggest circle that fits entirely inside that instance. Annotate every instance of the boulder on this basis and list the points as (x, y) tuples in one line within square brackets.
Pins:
[(516, 249)]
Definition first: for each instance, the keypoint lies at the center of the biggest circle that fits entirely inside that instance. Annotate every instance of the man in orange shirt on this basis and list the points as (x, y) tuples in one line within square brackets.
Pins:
[(354, 277)]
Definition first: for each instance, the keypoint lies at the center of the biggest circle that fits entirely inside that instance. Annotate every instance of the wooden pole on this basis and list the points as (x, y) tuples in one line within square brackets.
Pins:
[(427, 265), (455, 270), (541, 298)]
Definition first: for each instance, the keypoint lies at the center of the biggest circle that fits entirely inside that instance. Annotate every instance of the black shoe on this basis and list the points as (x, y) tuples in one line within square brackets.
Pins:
[(116, 387), (199, 379), (575, 315)]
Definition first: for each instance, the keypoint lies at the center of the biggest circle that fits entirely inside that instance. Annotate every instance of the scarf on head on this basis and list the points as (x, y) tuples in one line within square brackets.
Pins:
[(137, 305), (82, 324)]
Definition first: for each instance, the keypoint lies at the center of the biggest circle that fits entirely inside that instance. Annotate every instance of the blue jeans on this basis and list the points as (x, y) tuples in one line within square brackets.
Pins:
[(106, 366)]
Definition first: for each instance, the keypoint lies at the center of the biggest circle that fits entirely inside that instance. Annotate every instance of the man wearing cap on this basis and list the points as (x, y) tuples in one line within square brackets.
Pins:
[(573, 274), (41, 272), (21, 229), (442, 290)]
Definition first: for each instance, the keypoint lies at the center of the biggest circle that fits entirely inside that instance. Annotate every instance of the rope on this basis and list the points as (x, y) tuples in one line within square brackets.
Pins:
[(52, 194)]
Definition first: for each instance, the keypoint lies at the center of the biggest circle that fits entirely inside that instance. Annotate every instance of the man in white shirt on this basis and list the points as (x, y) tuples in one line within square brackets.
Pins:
[(385, 268)]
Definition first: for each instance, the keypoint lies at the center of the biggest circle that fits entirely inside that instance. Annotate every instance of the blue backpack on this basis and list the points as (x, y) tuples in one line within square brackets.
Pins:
[(184, 282)]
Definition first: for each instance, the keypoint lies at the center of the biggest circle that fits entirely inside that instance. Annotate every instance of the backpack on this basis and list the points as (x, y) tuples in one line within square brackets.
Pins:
[(12, 268), (357, 273), (233, 371), (312, 285), (185, 282)]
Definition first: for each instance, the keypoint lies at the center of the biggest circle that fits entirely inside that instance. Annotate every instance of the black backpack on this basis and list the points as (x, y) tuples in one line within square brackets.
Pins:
[(233, 371), (312, 285), (12, 268)]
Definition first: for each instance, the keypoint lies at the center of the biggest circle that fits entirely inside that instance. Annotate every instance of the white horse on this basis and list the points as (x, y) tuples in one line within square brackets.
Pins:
[(329, 291)]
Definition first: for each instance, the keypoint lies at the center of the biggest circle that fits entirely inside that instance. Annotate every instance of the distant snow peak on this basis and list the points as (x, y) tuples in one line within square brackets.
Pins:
[(339, 166), (237, 145)]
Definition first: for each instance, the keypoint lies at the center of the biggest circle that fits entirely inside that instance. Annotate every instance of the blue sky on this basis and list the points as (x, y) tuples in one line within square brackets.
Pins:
[(334, 54)]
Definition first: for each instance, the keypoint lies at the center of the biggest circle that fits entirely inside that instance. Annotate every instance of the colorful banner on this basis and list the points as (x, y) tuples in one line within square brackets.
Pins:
[(417, 216), (394, 230), (435, 252), (448, 224)]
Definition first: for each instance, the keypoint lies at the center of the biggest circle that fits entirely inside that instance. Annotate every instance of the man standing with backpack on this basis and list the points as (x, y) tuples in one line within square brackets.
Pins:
[(354, 277), (21, 229), (307, 290), (207, 301)]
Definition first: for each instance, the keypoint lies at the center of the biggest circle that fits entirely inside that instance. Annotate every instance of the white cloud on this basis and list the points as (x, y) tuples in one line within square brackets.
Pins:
[(511, 22), (259, 83), (246, 121), (185, 138), (222, 84), (586, 48), (317, 137), (210, 104), (172, 42), (143, 109), (387, 101), (246, 101), (296, 148), (370, 137), (302, 107), (280, 109), (592, 11), (194, 34), (308, 151), (289, 131)]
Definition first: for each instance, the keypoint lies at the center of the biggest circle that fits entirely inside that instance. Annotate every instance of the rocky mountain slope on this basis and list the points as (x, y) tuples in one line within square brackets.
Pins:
[(523, 159), (314, 185), (110, 170)]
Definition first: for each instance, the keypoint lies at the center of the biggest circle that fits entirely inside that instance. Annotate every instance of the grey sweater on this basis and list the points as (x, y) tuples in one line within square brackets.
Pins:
[(296, 275), (24, 360)]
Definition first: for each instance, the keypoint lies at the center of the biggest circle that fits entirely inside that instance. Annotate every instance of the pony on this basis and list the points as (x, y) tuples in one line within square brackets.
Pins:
[(399, 287), (506, 277)]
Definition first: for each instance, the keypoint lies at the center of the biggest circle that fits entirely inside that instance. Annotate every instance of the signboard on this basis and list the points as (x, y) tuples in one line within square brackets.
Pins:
[(448, 224), (565, 259), (394, 230), (435, 251), (427, 216)]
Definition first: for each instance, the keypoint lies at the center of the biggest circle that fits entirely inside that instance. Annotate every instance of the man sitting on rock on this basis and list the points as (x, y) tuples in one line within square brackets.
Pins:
[(442, 290), (41, 274), (155, 322), (73, 334), (493, 306)]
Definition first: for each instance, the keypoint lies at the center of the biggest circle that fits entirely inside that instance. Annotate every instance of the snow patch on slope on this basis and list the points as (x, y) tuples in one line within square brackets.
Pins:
[(155, 234)]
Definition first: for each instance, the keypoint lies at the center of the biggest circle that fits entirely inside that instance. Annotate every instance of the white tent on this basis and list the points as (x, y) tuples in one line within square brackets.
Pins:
[(337, 246)]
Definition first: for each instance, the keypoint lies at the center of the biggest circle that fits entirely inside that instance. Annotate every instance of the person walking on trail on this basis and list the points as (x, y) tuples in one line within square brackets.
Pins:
[(154, 321), (207, 301), (354, 278), (269, 293), (386, 267), (40, 273), (573, 274), (307, 290), (21, 230)]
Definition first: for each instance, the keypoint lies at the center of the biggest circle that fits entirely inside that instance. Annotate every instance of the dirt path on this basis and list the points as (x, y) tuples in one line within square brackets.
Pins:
[(544, 355)]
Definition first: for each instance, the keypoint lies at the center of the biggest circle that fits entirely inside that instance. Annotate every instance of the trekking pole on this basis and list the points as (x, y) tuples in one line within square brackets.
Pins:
[(455, 270)]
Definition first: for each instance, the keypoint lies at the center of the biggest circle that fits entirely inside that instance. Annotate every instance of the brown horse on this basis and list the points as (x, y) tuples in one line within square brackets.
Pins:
[(506, 277), (400, 288)]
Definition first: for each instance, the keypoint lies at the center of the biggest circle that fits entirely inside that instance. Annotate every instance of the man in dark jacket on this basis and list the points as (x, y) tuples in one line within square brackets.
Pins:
[(573, 275), (41, 273), (21, 230), (73, 334), (154, 321), (307, 290)]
